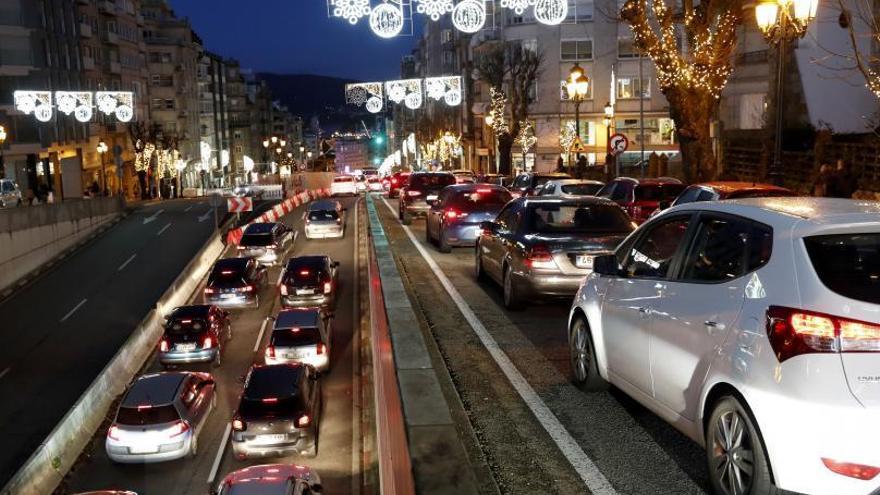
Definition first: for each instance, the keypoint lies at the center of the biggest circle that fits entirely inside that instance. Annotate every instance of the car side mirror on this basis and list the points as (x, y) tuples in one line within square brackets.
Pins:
[(606, 265), (489, 227)]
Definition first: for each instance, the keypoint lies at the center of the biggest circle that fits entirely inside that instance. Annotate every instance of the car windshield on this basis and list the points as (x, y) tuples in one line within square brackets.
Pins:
[(581, 189), (323, 216), (147, 415), (431, 180), (479, 198), (256, 239), (658, 192), (848, 264), (295, 337), (577, 219)]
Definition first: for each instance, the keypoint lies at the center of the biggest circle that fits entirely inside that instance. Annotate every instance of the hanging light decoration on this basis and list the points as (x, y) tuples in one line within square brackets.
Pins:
[(517, 6), (386, 20), (368, 95), (352, 10), (38, 103), (434, 8), (119, 103), (469, 16), (78, 103), (447, 89), (551, 12)]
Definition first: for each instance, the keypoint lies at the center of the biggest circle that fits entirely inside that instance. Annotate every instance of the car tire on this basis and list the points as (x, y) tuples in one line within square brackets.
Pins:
[(512, 299), (405, 218), (442, 244), (582, 357), (194, 447), (479, 272), (312, 451), (731, 439)]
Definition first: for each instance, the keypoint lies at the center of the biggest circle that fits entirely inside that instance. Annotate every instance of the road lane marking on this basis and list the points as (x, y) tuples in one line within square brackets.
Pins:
[(280, 275), (163, 229), (129, 260), (153, 217), (356, 444), (190, 207), (216, 466), (72, 311), (4, 372), (206, 215), (260, 336), (582, 464)]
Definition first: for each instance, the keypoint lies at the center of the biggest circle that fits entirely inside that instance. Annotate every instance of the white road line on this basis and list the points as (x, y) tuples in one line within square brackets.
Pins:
[(356, 440), (72, 311), (280, 274), (216, 466), (163, 229), (190, 207), (4, 372), (129, 260), (260, 336), (582, 464)]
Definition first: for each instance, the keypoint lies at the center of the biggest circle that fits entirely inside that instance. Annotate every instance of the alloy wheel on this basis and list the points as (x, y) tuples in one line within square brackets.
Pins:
[(732, 454), (581, 358)]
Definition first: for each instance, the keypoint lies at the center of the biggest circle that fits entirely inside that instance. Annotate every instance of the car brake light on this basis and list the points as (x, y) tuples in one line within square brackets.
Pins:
[(247, 288), (163, 345), (209, 290), (238, 424), (484, 191), (413, 193), (304, 273), (240, 248), (858, 471), (539, 256), (394, 181), (452, 214), (226, 272), (321, 349), (793, 332), (283, 289), (270, 352), (179, 428), (270, 400), (208, 343), (328, 287), (303, 421), (113, 432)]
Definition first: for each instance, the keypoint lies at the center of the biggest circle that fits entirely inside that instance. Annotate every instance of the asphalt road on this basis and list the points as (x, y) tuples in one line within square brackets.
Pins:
[(635, 451), (339, 442)]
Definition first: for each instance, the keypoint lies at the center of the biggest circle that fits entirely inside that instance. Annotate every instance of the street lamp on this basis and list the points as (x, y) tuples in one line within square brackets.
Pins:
[(608, 120), (781, 22), (578, 86), (2, 141), (102, 152)]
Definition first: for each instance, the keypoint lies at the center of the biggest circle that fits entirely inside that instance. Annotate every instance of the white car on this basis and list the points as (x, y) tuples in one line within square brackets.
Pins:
[(570, 188), (325, 219), (752, 327), (374, 184), (10, 194), (343, 185), (302, 336)]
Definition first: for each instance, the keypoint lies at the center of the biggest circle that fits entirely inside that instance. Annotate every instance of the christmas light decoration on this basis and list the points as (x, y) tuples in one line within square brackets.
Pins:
[(567, 136), (526, 137), (38, 103), (413, 100), (368, 95), (469, 16), (434, 8), (518, 6), (386, 20), (444, 88), (352, 10), (374, 104), (78, 103), (119, 103), (551, 12), (497, 107), (408, 91)]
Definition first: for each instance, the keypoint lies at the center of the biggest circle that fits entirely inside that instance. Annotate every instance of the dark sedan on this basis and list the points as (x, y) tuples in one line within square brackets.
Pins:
[(545, 246), (236, 283), (455, 217)]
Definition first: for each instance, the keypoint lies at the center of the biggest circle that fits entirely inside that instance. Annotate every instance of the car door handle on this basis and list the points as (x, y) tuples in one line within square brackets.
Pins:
[(645, 311), (711, 324)]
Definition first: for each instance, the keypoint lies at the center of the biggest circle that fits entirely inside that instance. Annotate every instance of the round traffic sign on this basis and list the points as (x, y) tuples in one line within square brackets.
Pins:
[(618, 143)]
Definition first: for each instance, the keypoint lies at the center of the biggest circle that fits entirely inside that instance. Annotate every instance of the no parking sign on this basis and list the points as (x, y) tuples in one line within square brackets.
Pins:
[(618, 144)]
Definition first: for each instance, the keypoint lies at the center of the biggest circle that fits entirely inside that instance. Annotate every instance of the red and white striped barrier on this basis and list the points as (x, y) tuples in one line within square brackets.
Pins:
[(278, 211)]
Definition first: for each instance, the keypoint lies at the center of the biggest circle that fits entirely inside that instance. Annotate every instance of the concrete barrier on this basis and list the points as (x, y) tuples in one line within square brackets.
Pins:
[(46, 467), (233, 237), (32, 236)]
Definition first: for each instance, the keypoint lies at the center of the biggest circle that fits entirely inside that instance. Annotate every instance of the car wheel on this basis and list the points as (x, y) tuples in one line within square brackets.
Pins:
[(442, 244), (406, 218), (511, 294), (735, 452), (194, 447), (312, 451), (478, 264), (584, 368)]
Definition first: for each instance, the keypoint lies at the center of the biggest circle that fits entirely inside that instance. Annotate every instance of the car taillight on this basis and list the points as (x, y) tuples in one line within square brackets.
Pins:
[(413, 193), (858, 471), (394, 182), (793, 332), (113, 432), (539, 256), (338, 221), (283, 289), (247, 288), (328, 287), (238, 424), (208, 343), (272, 246), (178, 429), (452, 214), (163, 345), (303, 421), (209, 290), (270, 352), (321, 349), (241, 248)]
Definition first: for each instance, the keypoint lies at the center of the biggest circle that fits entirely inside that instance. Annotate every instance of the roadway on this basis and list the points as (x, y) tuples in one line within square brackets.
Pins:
[(540, 431), (339, 447)]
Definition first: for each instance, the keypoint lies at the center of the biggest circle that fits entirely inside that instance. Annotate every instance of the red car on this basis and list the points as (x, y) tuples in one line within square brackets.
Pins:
[(397, 181), (640, 197)]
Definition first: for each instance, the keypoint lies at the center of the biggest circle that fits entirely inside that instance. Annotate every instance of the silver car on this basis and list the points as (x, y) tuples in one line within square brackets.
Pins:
[(271, 479), (160, 417), (267, 242), (325, 219), (300, 336), (571, 187), (10, 194), (545, 246)]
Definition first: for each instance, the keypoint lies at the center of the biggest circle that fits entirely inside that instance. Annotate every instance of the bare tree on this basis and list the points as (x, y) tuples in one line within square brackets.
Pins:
[(862, 19), (692, 72)]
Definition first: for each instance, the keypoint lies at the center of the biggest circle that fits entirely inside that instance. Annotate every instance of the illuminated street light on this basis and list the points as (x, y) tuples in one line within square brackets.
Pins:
[(102, 152), (578, 87)]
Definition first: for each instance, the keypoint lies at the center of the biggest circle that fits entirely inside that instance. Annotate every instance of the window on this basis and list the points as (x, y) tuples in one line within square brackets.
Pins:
[(446, 36), (157, 103), (720, 250), (508, 219), (588, 130), (652, 255), (580, 10), (162, 80), (848, 264), (626, 48), (576, 49), (628, 87)]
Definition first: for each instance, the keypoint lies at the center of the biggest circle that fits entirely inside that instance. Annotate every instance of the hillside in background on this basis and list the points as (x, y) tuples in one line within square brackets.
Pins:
[(308, 95)]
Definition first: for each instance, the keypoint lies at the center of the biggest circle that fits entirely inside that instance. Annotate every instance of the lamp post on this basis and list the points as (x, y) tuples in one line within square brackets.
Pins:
[(102, 152), (2, 142), (781, 22), (309, 155), (608, 120), (578, 86)]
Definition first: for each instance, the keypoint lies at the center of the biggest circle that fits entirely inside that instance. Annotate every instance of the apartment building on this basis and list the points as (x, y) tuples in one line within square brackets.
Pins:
[(214, 130)]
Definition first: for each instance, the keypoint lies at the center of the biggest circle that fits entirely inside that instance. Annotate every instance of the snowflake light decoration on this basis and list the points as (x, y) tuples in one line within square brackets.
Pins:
[(368, 95), (120, 103), (434, 8), (551, 12), (407, 91), (352, 10), (518, 6), (386, 20), (38, 103), (78, 103), (444, 88)]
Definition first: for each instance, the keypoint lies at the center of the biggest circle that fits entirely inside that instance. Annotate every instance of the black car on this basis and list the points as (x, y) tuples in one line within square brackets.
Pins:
[(278, 412), (309, 282), (236, 283), (422, 187), (527, 184), (455, 217), (194, 334), (266, 242)]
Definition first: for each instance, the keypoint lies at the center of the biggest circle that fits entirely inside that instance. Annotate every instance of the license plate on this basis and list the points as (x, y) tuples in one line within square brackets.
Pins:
[(431, 197), (305, 292), (584, 261), (143, 449), (227, 296), (270, 439), (186, 347)]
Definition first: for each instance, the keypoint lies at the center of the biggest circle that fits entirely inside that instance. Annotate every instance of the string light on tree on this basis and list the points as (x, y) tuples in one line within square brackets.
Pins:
[(469, 16), (551, 12), (352, 10), (526, 137), (386, 20), (496, 115), (567, 136), (434, 8)]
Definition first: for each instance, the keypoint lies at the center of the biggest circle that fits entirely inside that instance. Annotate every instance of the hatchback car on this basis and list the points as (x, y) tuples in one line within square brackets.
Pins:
[(194, 334), (464, 176), (374, 184), (571, 187), (455, 217), (397, 181), (640, 197), (271, 479), (268, 243), (546, 246), (528, 184), (423, 187), (324, 219), (309, 282), (10, 194), (717, 191), (160, 417), (752, 326), (278, 412), (236, 283), (300, 336), (343, 185)]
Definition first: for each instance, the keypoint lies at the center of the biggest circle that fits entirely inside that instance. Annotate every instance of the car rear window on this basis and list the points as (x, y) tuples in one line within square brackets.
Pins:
[(658, 192), (578, 219), (256, 239), (323, 216), (342, 179), (540, 181), (467, 200), (225, 278), (431, 180), (848, 264), (761, 193), (185, 326), (304, 275), (581, 189), (146, 415), (295, 337)]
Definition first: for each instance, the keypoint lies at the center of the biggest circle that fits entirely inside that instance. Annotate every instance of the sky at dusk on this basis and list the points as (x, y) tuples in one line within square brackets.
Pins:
[(293, 37)]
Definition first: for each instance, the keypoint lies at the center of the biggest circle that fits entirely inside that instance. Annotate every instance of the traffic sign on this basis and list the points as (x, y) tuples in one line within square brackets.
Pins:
[(577, 146), (618, 144), (238, 205)]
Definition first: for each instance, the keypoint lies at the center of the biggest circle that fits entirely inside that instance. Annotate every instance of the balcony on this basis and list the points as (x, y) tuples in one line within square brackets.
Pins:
[(115, 68), (88, 63), (15, 63), (111, 38), (85, 30), (106, 7)]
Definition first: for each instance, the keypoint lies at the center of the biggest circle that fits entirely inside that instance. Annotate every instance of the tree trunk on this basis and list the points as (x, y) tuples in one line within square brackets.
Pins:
[(505, 154), (692, 113)]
